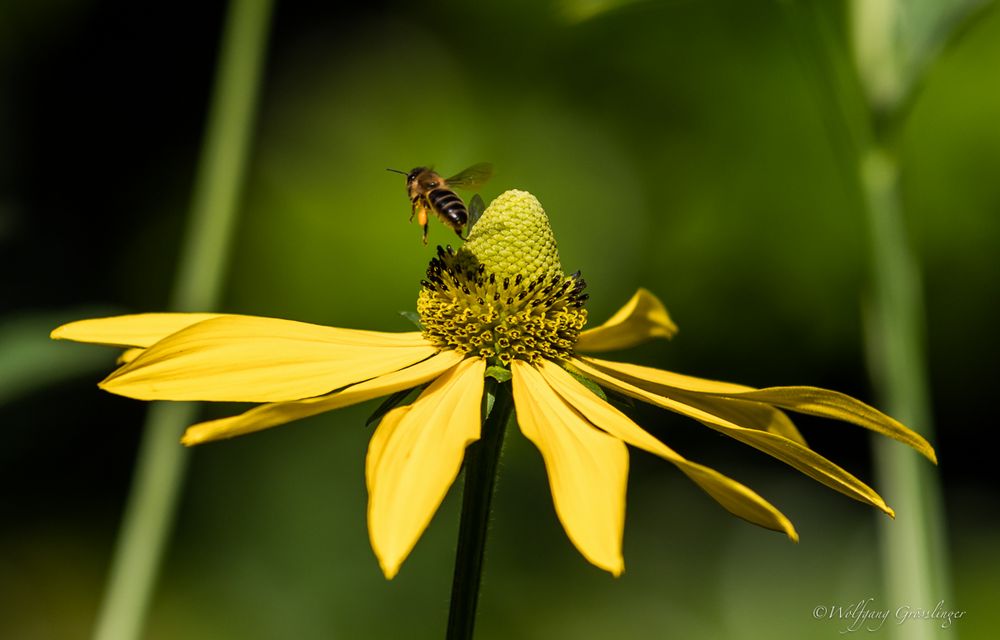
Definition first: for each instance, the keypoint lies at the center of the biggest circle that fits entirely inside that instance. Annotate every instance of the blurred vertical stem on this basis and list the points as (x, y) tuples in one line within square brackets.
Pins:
[(481, 461), (161, 463), (890, 61), (864, 102), (913, 554)]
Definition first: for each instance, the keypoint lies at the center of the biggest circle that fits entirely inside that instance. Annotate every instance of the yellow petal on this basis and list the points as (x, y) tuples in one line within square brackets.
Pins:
[(692, 390), (270, 415), (414, 457), (754, 407), (832, 404), (667, 378), (736, 498), (376, 446), (129, 355), (138, 330), (249, 359), (788, 451), (643, 317), (587, 468)]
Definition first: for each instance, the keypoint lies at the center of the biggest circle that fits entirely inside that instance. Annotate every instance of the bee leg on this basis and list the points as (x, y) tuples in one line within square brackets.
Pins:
[(423, 221), (413, 210), (458, 232)]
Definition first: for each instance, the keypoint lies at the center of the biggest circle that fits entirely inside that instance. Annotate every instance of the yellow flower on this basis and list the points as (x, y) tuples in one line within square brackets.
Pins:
[(498, 306)]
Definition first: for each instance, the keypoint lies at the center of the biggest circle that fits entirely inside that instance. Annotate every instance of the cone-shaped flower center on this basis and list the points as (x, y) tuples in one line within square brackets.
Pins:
[(503, 295)]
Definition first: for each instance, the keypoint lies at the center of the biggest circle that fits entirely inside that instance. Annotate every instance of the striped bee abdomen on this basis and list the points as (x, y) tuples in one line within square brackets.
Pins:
[(449, 206)]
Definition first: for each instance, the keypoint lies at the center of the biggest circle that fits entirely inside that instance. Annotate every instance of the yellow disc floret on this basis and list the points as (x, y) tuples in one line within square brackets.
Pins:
[(513, 238), (503, 295)]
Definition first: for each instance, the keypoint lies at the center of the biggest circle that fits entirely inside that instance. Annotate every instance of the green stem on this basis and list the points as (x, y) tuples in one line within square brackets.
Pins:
[(147, 522), (913, 550), (913, 555), (159, 473), (481, 461)]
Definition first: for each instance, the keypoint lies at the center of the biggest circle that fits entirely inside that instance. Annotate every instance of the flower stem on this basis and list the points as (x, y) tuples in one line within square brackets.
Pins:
[(159, 472), (481, 461)]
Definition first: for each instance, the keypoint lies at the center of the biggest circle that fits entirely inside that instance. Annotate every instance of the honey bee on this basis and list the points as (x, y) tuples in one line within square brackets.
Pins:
[(429, 191)]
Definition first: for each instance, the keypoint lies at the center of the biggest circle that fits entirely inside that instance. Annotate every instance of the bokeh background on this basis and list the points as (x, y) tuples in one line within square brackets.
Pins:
[(680, 146)]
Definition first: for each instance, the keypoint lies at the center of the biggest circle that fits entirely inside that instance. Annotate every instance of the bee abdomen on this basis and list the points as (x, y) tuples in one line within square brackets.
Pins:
[(448, 205)]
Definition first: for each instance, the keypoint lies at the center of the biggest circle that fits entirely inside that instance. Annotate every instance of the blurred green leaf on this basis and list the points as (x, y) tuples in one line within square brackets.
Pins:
[(30, 360), (895, 41), (583, 10)]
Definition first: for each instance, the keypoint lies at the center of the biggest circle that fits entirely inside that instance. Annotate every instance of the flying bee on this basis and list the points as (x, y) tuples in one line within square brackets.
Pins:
[(429, 191)]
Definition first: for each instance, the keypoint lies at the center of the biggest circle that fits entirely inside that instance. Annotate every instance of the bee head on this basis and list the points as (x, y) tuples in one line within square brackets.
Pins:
[(412, 175)]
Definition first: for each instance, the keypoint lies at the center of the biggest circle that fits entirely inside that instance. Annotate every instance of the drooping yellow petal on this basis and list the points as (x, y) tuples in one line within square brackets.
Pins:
[(270, 415), (723, 402), (137, 330), (756, 405), (250, 359), (788, 451), (736, 498), (832, 404), (414, 457), (754, 415), (643, 317), (587, 468), (667, 378)]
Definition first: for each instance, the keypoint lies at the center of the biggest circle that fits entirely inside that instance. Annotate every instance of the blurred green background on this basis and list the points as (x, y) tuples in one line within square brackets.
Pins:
[(679, 146)]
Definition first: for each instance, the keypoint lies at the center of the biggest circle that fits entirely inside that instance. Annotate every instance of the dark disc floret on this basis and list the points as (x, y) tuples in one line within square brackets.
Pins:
[(465, 307)]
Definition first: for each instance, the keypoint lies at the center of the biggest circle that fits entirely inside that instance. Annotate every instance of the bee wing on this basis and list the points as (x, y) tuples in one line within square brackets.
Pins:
[(476, 208), (472, 177)]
